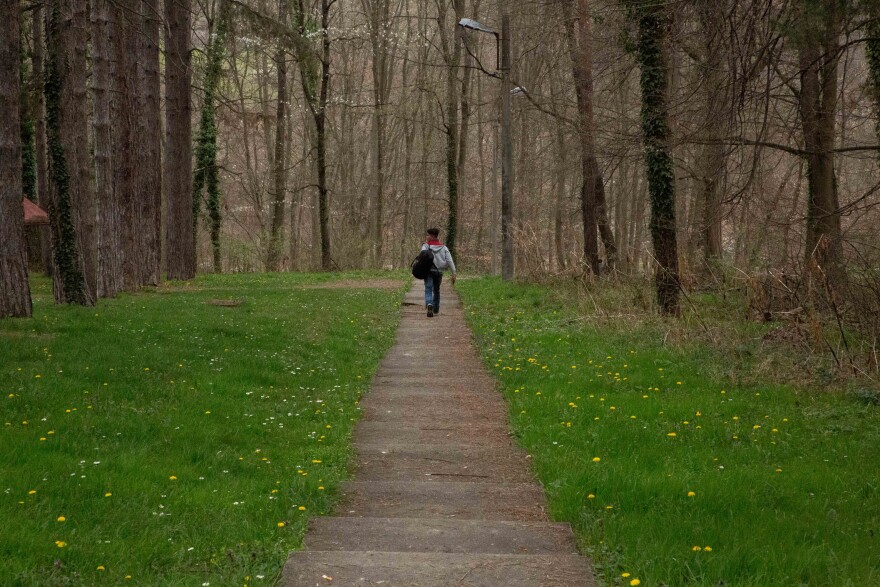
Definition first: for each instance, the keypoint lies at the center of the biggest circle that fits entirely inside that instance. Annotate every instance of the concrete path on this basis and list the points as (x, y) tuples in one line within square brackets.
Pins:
[(441, 496)]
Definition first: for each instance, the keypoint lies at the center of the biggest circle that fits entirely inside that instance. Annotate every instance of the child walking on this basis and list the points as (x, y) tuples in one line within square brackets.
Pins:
[(442, 262)]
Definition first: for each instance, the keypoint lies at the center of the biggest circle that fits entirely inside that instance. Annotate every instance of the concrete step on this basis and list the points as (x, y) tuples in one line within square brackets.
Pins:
[(451, 392), (522, 502), (442, 463), (407, 569), (439, 535), (425, 414), (445, 381), (442, 368), (486, 434)]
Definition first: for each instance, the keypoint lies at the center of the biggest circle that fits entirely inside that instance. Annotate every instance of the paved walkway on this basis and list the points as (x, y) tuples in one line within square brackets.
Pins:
[(441, 496)]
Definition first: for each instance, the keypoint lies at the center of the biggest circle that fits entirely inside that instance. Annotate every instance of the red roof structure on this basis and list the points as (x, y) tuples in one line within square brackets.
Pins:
[(33, 214)]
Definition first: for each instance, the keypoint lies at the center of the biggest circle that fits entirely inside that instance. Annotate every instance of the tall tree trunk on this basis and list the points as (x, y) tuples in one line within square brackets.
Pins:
[(653, 23), (126, 115), (109, 254), (15, 295), (40, 136), (873, 54), (323, 191), (177, 172), (76, 123), (464, 132), (279, 173), (67, 146), (150, 137), (451, 46), (819, 53), (605, 231), (582, 71), (379, 25), (716, 106)]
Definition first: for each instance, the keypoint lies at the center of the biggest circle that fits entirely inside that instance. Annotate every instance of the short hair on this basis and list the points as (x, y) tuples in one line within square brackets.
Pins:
[(435, 232)]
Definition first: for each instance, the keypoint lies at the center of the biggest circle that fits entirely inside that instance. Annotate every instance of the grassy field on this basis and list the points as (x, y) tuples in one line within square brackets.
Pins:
[(165, 438), (674, 465)]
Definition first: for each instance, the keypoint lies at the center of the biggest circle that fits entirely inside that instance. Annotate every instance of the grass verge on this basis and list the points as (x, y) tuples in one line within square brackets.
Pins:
[(669, 472), (185, 435)]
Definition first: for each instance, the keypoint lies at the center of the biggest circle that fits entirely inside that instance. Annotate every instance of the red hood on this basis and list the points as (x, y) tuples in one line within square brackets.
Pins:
[(435, 243)]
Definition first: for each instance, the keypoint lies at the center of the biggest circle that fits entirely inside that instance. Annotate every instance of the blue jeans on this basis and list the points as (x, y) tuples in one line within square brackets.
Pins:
[(432, 289)]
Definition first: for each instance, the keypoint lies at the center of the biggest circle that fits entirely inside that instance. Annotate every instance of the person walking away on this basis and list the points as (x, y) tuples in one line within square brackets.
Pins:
[(442, 262)]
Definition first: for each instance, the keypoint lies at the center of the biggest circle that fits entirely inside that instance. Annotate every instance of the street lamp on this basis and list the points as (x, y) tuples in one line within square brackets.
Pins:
[(503, 65)]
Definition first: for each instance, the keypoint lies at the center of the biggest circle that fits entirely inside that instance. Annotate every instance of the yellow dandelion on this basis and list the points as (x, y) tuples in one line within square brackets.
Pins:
[(691, 494), (281, 524), (596, 459), (302, 508), (62, 519), (707, 549), (672, 435), (635, 582), (60, 543), (173, 477)]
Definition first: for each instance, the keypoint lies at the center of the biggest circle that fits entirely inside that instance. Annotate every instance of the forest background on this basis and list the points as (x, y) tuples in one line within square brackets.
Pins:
[(723, 146)]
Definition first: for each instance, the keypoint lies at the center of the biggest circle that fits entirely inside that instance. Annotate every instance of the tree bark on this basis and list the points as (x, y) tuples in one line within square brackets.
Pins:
[(126, 115), (323, 191), (67, 146), (109, 253), (177, 171), (653, 23), (379, 25), (15, 296), (713, 70), (40, 136), (451, 47), (75, 103), (819, 54), (582, 71), (150, 138), (279, 173), (873, 54)]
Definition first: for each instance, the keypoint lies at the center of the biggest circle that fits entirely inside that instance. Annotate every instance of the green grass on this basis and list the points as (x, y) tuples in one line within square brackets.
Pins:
[(624, 424), (163, 438)]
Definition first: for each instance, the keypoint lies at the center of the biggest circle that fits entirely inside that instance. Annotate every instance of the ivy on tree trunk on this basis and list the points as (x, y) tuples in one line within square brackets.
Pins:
[(653, 22), (70, 285), (206, 172)]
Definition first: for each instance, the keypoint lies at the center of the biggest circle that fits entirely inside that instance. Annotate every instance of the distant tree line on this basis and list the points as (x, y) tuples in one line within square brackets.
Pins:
[(678, 139)]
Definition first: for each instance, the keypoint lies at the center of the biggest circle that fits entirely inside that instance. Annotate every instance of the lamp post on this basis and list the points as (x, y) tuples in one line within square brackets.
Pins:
[(503, 66)]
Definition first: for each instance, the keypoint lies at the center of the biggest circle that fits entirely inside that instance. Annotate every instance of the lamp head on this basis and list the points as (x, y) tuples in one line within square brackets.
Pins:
[(475, 26)]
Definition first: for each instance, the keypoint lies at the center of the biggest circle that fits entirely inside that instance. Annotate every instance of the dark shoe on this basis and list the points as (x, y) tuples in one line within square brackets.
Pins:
[(430, 311)]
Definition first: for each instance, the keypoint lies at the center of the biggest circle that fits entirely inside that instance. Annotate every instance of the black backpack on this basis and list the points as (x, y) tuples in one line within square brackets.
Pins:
[(423, 263)]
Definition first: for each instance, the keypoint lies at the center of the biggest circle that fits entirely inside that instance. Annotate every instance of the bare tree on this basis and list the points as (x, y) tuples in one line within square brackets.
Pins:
[(818, 56), (276, 235)]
